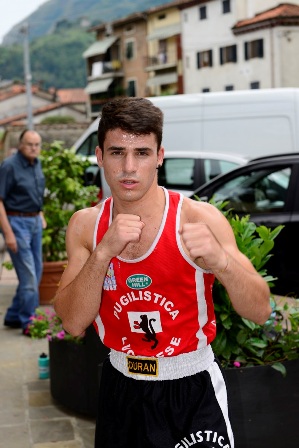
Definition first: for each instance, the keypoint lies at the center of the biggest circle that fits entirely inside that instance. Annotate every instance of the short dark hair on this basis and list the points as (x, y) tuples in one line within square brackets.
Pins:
[(138, 116)]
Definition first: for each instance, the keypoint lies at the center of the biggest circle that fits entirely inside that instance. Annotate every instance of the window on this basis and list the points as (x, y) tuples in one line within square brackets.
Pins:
[(131, 89), (130, 49), (129, 29), (225, 6), (177, 173), (204, 59), (228, 54), (227, 88), (214, 167), (260, 191), (254, 49), (87, 148), (202, 12), (255, 85)]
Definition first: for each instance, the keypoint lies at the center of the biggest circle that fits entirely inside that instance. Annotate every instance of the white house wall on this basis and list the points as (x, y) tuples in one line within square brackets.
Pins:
[(288, 43), (18, 105), (278, 68), (249, 8)]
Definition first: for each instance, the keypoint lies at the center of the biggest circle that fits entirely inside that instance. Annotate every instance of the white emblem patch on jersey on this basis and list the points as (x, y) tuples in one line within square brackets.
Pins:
[(138, 321)]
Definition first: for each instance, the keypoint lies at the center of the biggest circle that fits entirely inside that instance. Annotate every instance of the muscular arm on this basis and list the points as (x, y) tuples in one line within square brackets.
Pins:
[(210, 242), (78, 298)]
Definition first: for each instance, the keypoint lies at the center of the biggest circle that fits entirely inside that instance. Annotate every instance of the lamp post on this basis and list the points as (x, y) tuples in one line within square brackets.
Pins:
[(27, 74)]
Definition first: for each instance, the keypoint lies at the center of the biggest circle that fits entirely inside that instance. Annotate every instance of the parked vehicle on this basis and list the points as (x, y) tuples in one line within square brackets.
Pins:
[(267, 189), (253, 123), (182, 172)]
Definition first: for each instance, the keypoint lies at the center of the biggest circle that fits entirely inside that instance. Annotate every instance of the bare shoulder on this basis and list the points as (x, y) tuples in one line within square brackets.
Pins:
[(81, 225), (194, 211), (205, 213)]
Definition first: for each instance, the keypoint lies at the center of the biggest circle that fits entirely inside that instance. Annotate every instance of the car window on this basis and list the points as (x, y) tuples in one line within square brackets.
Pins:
[(88, 146), (177, 173), (92, 176), (259, 191), (214, 167)]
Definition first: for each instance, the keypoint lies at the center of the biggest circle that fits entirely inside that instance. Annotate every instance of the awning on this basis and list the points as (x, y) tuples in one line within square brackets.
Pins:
[(99, 47), (165, 32), (167, 78), (99, 86)]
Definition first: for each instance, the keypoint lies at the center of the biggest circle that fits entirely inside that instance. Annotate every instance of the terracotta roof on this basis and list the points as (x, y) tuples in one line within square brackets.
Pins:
[(69, 96), (15, 118), (283, 14), (14, 90), (141, 15), (64, 96)]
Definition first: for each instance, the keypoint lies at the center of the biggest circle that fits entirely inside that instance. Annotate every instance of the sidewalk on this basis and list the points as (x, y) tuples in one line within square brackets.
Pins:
[(29, 417)]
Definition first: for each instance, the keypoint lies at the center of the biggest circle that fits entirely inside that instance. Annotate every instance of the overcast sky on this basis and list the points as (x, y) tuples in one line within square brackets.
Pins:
[(14, 11)]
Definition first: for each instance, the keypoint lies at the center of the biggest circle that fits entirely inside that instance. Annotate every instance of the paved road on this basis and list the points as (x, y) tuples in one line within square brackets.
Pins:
[(29, 417)]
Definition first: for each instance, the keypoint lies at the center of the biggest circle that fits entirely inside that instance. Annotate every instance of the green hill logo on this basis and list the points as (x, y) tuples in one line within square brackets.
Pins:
[(138, 281)]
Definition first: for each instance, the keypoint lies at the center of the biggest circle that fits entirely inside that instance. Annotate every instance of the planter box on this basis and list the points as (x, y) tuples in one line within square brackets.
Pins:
[(75, 372), (264, 406)]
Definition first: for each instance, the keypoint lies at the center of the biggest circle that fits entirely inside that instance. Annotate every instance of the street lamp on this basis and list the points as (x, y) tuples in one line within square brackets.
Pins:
[(27, 74)]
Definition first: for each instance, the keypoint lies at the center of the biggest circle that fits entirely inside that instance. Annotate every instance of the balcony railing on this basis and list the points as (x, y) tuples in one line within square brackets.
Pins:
[(101, 68), (162, 59)]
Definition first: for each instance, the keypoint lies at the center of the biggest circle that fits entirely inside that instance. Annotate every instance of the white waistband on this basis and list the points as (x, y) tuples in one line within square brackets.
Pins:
[(168, 368)]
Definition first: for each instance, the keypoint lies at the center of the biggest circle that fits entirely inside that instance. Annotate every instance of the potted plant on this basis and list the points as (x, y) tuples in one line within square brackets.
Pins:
[(75, 362), (261, 362), (65, 193)]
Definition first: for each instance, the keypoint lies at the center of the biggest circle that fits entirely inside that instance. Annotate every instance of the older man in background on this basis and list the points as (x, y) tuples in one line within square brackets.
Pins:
[(22, 185)]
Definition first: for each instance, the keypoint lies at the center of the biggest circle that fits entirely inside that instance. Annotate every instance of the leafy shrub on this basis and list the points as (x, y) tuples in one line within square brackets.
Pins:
[(65, 194), (46, 324), (240, 342), (58, 119)]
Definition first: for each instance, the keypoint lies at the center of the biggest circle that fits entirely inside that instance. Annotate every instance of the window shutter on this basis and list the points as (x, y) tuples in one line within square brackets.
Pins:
[(221, 56), (198, 59), (261, 48), (234, 53), (246, 51), (211, 58)]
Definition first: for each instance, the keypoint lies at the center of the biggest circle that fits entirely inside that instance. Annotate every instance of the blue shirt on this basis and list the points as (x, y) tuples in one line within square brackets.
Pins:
[(22, 184)]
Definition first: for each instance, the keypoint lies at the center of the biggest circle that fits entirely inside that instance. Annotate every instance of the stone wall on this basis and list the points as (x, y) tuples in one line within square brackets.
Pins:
[(68, 133)]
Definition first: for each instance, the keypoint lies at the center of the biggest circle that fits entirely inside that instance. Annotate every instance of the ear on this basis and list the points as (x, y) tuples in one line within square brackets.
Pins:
[(160, 157), (99, 155)]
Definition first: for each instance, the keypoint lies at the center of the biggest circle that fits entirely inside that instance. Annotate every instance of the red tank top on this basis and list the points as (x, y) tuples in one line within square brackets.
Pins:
[(161, 303)]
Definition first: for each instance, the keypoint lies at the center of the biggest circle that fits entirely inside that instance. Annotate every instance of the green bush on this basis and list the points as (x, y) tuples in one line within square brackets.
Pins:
[(240, 342), (58, 119), (65, 193)]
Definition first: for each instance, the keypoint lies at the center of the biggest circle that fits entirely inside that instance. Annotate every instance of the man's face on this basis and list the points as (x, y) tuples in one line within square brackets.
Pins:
[(130, 163), (30, 145)]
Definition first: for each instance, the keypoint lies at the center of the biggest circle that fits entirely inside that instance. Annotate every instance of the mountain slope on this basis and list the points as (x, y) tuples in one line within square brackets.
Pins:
[(44, 20)]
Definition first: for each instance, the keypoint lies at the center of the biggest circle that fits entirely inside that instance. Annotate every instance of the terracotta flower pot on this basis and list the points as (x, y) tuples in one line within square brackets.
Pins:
[(52, 272)]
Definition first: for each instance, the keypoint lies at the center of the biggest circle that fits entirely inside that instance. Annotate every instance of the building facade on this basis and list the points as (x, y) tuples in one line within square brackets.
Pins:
[(191, 46), (115, 61), (237, 44)]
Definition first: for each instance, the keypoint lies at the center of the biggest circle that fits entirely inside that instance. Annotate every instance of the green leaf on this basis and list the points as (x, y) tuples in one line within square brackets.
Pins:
[(280, 368)]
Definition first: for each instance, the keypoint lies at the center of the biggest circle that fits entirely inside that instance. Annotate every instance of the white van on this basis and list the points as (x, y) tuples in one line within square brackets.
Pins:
[(250, 123)]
